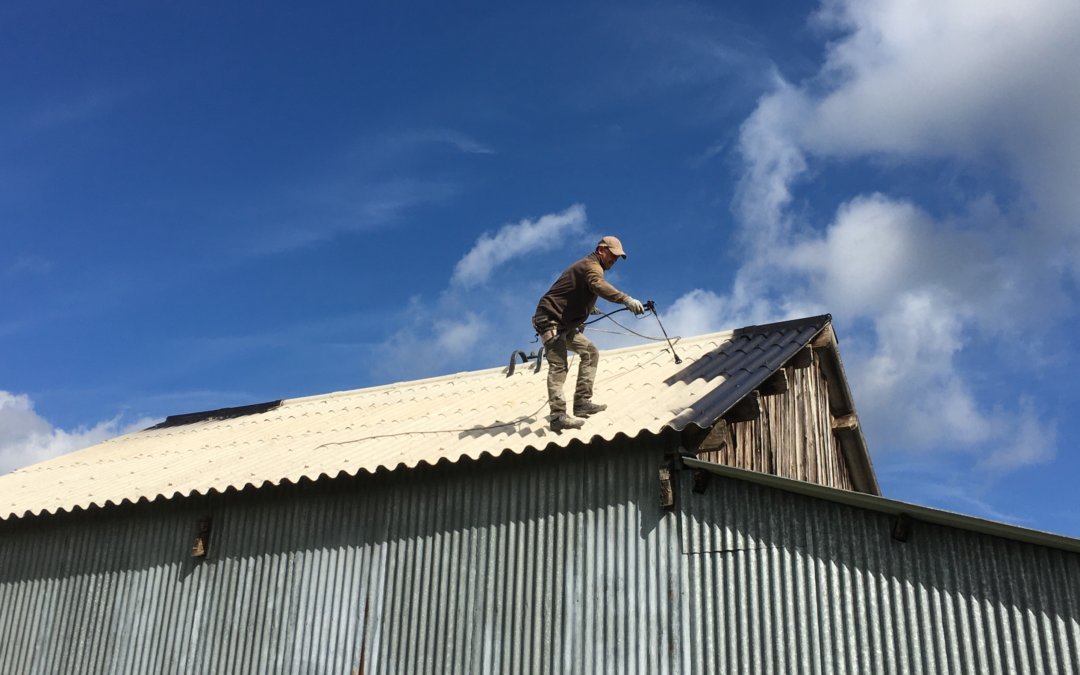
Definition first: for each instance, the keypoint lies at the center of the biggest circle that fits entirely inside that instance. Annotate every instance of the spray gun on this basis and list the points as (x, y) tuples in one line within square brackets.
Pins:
[(651, 306)]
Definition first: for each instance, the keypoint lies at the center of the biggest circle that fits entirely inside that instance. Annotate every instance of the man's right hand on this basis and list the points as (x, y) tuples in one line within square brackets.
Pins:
[(634, 306)]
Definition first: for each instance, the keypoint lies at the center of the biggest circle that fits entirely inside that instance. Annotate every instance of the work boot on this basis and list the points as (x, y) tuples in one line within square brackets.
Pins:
[(586, 408), (564, 421)]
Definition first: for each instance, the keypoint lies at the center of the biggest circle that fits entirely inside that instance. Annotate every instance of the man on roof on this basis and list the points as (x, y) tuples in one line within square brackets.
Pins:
[(558, 321)]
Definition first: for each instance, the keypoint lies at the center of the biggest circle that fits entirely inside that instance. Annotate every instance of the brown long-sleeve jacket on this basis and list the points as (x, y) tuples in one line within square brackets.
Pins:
[(573, 295)]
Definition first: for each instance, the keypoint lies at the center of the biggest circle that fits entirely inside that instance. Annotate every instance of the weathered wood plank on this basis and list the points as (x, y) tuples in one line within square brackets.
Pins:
[(749, 408), (803, 359), (776, 384), (846, 422), (790, 435), (719, 436)]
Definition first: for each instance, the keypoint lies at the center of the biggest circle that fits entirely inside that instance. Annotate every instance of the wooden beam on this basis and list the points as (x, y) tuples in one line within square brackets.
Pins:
[(692, 437), (776, 384), (826, 338), (667, 491), (719, 437), (747, 409), (840, 404), (846, 422), (715, 439), (804, 359), (201, 547)]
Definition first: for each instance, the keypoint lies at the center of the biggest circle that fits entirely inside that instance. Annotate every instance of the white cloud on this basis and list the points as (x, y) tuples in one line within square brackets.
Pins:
[(456, 139), (1033, 441), (86, 106), (30, 265), (870, 251), (26, 438), (908, 387), (316, 214), (983, 80), (437, 337), (697, 312), (456, 330), (701, 311), (772, 162), (990, 86), (515, 240), (456, 337), (930, 77), (964, 497)]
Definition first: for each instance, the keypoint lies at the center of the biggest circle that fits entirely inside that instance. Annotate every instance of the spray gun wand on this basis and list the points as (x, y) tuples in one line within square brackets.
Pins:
[(651, 306)]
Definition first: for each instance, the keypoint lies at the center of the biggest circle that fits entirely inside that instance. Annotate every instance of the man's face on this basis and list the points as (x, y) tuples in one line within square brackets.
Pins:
[(607, 258)]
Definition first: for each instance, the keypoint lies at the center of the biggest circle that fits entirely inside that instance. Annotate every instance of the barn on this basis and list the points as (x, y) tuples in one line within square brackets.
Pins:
[(722, 515)]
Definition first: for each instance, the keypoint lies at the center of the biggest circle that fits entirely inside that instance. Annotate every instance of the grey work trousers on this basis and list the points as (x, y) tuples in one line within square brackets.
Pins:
[(556, 352)]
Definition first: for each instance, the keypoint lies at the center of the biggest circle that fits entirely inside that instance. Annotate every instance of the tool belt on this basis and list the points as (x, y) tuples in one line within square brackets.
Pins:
[(548, 331)]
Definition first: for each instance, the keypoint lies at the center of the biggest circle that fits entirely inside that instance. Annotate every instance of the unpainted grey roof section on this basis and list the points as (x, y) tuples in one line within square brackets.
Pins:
[(403, 425), (745, 362)]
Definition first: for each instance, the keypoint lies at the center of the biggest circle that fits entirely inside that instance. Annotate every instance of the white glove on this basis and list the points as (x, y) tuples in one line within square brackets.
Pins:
[(634, 306)]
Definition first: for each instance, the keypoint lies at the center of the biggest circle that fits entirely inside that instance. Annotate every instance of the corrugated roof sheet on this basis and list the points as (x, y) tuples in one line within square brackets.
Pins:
[(406, 424)]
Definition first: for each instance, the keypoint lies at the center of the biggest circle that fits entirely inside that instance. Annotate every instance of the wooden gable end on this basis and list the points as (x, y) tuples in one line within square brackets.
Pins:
[(790, 426)]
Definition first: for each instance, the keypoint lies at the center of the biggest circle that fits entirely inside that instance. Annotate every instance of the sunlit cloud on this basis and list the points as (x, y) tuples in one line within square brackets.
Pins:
[(27, 438), (910, 83), (515, 240), (455, 139)]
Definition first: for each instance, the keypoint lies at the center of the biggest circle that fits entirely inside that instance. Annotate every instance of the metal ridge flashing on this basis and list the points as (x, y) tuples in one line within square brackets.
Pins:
[(892, 507)]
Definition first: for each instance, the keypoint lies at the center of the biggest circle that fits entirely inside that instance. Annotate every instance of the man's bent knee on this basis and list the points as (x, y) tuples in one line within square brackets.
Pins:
[(589, 355)]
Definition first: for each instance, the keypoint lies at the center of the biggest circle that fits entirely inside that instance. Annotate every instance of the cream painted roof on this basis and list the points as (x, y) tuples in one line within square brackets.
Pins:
[(406, 424)]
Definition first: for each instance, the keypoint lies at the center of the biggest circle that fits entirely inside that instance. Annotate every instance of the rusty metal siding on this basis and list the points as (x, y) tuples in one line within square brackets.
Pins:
[(561, 561)]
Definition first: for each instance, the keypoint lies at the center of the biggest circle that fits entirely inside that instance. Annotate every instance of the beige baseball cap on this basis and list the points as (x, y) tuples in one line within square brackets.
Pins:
[(614, 244)]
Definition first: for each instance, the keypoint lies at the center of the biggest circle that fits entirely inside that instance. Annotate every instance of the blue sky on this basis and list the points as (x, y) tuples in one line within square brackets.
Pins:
[(206, 206)]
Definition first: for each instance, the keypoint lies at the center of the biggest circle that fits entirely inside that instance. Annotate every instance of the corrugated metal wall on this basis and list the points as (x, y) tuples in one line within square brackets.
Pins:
[(562, 562), (787, 583)]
